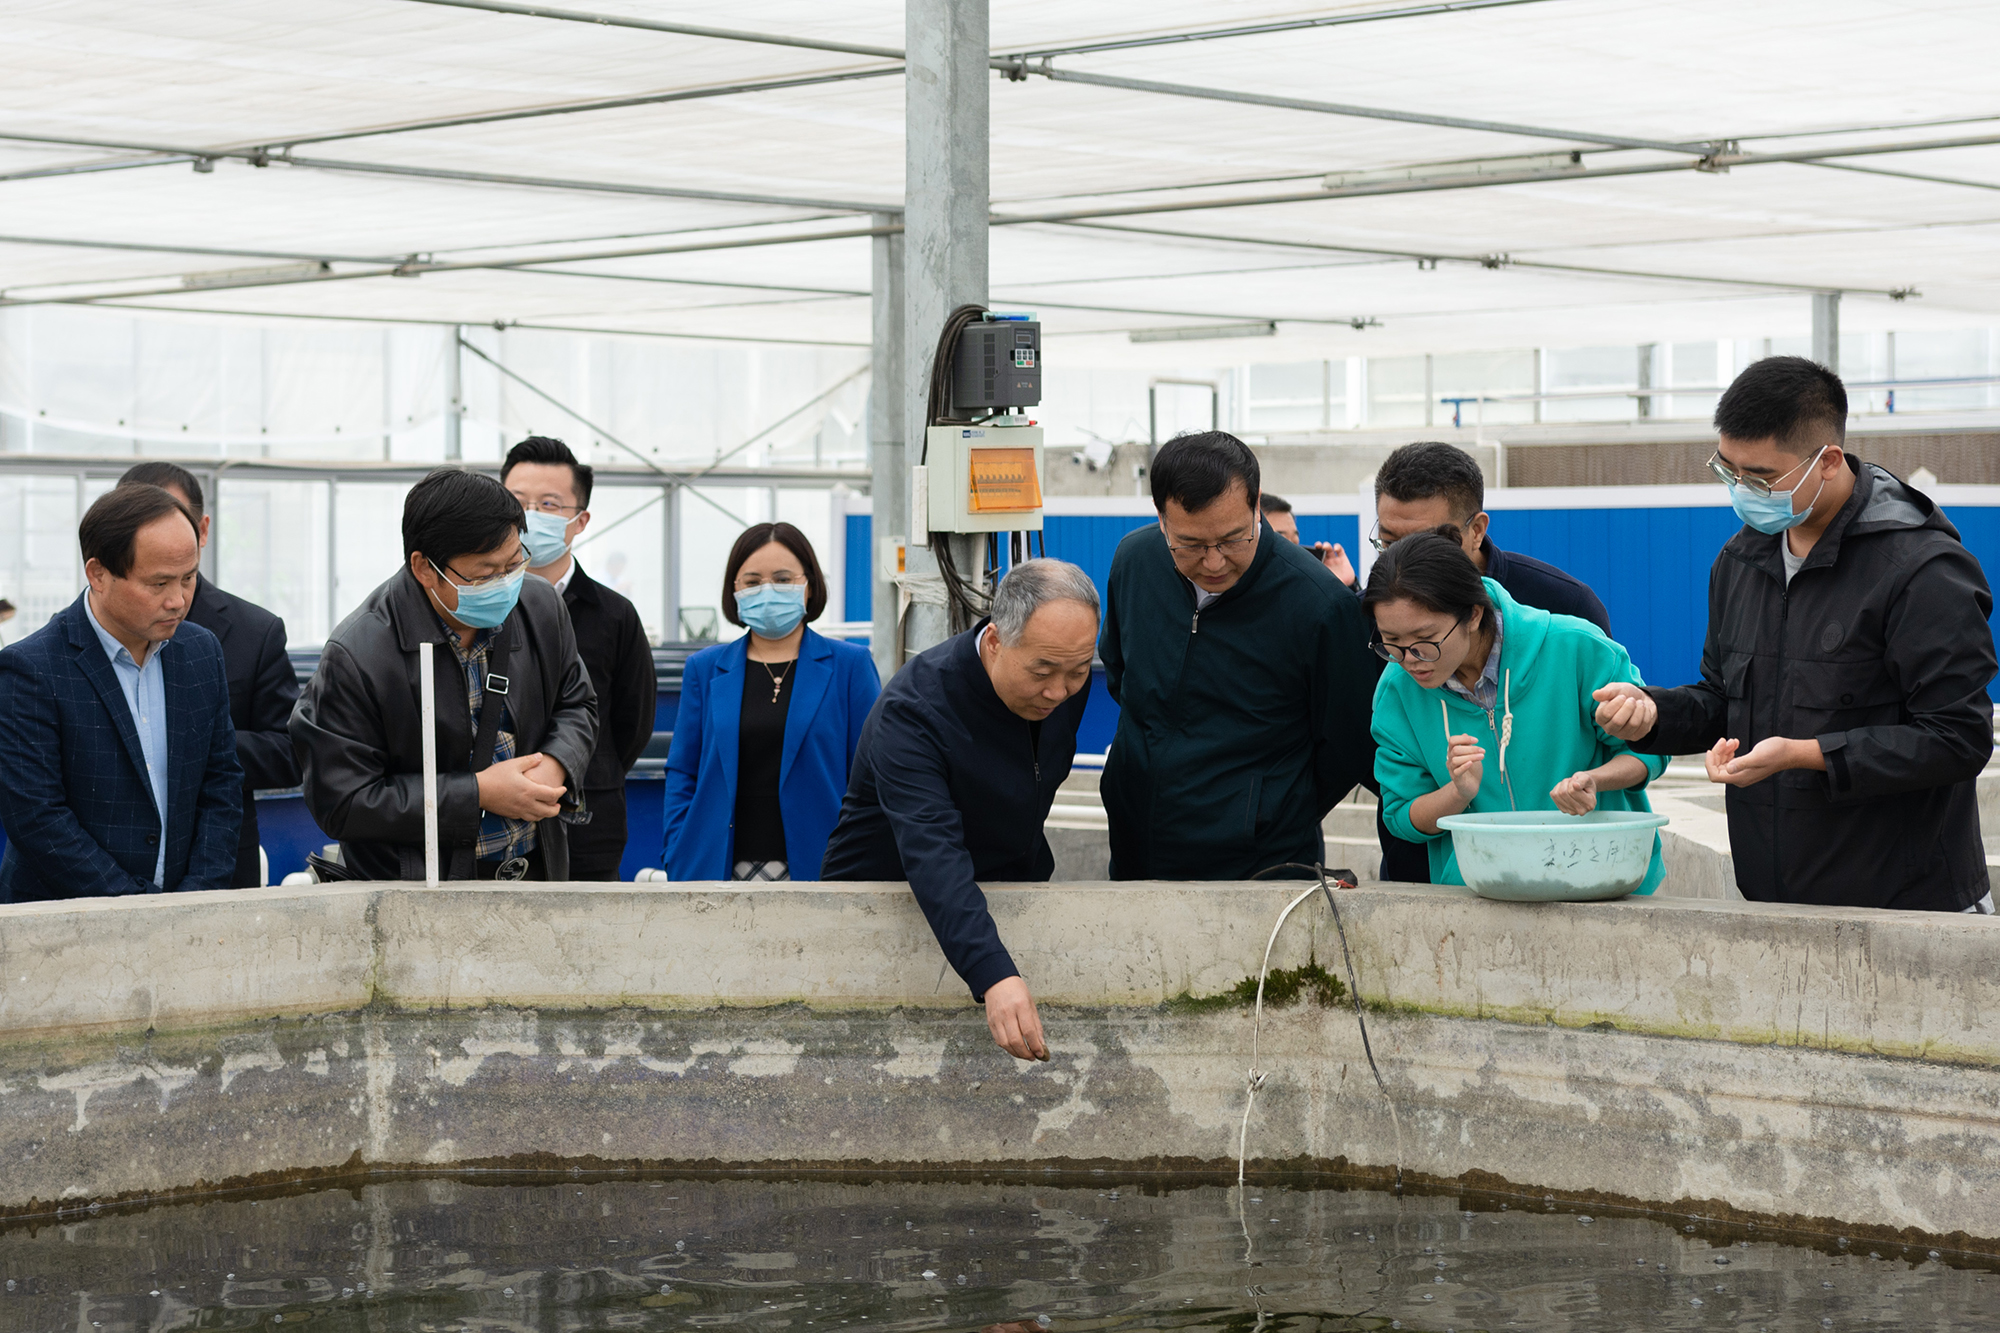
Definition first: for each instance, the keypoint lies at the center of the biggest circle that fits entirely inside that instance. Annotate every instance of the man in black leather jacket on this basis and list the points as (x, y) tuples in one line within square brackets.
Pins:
[(504, 784), (1843, 699)]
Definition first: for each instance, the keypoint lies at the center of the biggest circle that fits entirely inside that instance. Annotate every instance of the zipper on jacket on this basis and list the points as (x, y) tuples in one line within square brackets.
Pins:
[(1777, 804), (1194, 626)]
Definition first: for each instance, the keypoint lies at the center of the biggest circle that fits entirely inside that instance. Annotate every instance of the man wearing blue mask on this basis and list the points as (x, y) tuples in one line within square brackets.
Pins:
[(554, 491), (516, 714), (1843, 700)]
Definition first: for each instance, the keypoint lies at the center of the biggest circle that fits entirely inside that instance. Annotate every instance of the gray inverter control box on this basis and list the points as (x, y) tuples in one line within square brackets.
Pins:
[(997, 365)]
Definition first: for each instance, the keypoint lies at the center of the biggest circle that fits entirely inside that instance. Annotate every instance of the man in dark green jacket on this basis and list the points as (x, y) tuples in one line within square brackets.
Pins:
[(1242, 672)]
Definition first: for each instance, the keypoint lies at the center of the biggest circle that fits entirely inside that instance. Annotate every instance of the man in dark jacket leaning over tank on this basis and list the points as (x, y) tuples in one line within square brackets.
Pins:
[(516, 716), (1242, 670), (957, 767), (1843, 693)]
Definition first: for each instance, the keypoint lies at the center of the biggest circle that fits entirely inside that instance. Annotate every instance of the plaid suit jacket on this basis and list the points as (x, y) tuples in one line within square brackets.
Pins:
[(79, 813)]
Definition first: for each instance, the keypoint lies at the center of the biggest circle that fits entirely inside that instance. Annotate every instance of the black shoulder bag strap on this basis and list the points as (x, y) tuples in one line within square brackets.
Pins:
[(493, 704)]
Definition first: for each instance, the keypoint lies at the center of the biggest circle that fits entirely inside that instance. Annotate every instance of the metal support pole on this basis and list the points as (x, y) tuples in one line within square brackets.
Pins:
[(945, 109), (1826, 330), (1645, 380), (889, 482), (670, 610), (427, 682), (454, 393)]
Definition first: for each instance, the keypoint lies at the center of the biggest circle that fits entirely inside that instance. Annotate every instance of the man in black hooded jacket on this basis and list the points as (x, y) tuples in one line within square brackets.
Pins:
[(1242, 673), (1843, 698)]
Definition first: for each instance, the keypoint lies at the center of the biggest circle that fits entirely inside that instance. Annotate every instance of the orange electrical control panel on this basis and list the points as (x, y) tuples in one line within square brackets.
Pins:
[(1002, 481)]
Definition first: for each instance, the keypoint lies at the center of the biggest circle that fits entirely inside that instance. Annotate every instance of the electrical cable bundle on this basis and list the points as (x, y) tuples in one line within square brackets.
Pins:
[(965, 602)]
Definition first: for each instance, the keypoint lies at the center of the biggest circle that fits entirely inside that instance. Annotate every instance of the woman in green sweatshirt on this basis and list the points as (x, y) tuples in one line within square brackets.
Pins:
[(1491, 708)]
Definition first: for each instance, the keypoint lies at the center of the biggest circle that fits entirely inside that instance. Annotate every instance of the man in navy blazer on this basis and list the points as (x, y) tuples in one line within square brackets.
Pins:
[(115, 735), (262, 685)]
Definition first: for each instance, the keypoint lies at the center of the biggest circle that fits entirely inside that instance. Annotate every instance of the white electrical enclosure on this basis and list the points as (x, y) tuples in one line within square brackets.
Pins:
[(984, 478)]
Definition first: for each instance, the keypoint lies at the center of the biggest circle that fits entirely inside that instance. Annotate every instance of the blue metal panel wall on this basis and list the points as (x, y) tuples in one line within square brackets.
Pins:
[(1649, 567), (1089, 540), (859, 574), (1979, 528)]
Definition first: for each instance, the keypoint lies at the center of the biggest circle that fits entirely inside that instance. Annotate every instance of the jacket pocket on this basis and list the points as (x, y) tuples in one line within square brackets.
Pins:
[(1253, 808), (1736, 686), (1837, 696)]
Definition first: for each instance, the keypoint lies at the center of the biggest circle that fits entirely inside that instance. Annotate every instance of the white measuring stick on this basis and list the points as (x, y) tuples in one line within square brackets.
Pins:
[(427, 686)]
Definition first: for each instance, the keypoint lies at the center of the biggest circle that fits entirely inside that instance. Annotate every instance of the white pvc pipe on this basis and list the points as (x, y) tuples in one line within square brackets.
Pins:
[(427, 686)]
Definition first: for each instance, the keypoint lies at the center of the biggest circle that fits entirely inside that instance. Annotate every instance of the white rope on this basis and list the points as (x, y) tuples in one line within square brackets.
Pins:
[(1256, 1078)]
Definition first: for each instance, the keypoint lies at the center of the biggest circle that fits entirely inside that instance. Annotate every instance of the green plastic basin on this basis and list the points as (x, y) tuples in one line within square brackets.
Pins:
[(1546, 856)]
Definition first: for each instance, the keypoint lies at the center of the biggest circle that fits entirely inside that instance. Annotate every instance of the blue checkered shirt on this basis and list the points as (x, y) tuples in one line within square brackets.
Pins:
[(1485, 691), (499, 837)]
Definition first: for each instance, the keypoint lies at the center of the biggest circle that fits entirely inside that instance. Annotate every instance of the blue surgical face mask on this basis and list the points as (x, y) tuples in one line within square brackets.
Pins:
[(486, 605), (547, 538), (772, 609), (1773, 513)]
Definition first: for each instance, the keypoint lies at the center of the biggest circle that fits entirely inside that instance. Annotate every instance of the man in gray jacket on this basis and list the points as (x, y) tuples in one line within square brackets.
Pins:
[(1843, 692), (516, 715)]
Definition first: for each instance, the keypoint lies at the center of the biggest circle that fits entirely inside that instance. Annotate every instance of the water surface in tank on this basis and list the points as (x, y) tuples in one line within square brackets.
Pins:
[(1072, 1252)]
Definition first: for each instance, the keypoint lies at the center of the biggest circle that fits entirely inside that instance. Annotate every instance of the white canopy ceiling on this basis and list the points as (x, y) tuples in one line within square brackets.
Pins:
[(1666, 252)]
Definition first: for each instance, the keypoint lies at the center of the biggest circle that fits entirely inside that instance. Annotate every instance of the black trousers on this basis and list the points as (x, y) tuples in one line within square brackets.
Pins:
[(1402, 862), (596, 848)]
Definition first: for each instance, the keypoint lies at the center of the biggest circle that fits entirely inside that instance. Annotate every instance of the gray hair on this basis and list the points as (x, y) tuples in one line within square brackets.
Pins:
[(1032, 585)]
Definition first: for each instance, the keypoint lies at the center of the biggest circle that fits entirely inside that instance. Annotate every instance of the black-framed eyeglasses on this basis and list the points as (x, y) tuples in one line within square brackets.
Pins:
[(491, 580), (1754, 485), (1425, 650), (1224, 547)]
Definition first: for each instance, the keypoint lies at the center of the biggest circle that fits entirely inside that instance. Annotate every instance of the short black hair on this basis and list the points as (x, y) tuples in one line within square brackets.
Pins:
[(453, 512), (1195, 468), (1431, 468), (110, 528), (544, 449), (1432, 570), (754, 539), (171, 476), (1273, 504), (1789, 399)]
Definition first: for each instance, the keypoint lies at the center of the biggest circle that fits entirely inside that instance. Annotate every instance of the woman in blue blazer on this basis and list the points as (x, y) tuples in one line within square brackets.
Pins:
[(767, 724)]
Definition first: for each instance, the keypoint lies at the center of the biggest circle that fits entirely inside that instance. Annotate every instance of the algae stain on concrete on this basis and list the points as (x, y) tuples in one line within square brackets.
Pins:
[(1282, 989)]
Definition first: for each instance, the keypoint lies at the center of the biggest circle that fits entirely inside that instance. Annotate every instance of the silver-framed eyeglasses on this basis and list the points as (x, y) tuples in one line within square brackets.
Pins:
[(1227, 546), (548, 504), (1755, 485), (1425, 650), (784, 578)]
